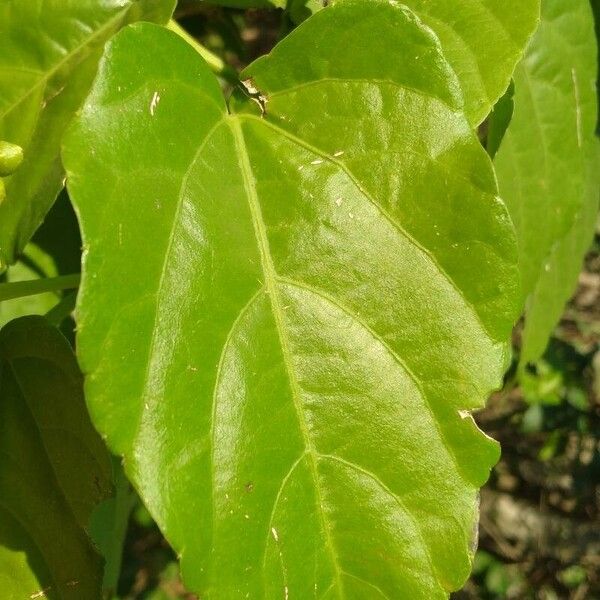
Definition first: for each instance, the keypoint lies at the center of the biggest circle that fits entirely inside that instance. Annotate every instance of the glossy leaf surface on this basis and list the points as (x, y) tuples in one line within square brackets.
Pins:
[(54, 468), (282, 317), (547, 164), (482, 39), (49, 51)]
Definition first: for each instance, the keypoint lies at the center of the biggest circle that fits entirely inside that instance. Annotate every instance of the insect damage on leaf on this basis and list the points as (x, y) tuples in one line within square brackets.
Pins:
[(249, 89)]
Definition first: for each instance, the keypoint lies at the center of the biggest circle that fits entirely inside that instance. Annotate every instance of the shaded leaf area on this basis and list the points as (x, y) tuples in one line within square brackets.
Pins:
[(330, 285), (48, 57), (248, 4), (493, 130), (54, 468), (108, 526), (547, 164)]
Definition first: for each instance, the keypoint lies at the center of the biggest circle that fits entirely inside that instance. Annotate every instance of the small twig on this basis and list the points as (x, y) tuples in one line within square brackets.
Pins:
[(19, 289), (62, 310), (217, 64)]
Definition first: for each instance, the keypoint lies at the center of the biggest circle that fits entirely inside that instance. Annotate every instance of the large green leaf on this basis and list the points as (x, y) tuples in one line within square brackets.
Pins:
[(49, 51), (285, 319), (53, 468), (547, 164), (482, 39)]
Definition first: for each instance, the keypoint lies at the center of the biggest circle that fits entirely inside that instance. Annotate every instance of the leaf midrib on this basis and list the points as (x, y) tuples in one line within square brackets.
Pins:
[(277, 310)]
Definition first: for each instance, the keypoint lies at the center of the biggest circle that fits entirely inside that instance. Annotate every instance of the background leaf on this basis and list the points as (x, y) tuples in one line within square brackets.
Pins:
[(54, 468), (328, 290), (547, 164), (48, 55)]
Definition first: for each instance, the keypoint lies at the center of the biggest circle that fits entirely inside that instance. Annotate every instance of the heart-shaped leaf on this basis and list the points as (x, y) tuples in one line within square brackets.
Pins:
[(48, 56), (284, 317), (53, 469), (548, 162)]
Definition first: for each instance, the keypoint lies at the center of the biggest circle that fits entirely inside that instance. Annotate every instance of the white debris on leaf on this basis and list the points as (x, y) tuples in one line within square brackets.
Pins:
[(256, 95), (250, 86), (275, 534), (154, 102)]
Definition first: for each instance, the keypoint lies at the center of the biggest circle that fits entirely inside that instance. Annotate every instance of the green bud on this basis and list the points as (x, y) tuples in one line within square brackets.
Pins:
[(11, 156)]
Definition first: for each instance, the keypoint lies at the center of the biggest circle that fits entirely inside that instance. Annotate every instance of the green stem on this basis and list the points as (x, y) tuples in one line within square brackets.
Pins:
[(18, 289), (217, 64), (62, 310)]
